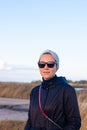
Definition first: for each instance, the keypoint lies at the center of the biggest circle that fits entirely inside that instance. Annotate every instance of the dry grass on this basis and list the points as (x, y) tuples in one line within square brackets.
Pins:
[(16, 89), (22, 90), (12, 125), (79, 84), (82, 100)]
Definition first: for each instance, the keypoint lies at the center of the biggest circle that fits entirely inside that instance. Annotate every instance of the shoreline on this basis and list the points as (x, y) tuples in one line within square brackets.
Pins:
[(13, 109)]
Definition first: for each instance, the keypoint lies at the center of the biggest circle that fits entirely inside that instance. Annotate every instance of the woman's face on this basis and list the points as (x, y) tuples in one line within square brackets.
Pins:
[(46, 71)]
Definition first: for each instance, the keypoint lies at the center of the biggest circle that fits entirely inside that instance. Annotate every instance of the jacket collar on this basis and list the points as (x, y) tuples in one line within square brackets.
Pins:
[(49, 83), (53, 81)]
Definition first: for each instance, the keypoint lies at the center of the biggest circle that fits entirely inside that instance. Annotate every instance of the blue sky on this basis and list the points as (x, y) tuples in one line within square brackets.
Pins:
[(27, 27)]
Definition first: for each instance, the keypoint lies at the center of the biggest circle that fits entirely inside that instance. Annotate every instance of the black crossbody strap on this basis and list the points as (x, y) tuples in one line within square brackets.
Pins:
[(44, 114)]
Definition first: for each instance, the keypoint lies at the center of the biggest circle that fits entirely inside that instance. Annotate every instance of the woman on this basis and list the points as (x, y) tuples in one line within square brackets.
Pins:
[(53, 103)]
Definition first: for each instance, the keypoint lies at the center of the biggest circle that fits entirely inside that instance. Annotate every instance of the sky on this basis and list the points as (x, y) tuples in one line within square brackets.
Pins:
[(28, 27)]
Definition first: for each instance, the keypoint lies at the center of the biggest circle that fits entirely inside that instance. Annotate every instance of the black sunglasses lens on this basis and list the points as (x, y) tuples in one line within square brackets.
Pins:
[(50, 65), (41, 65)]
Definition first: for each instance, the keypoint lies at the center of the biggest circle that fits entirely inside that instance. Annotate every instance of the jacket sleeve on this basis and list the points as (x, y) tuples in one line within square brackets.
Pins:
[(71, 110)]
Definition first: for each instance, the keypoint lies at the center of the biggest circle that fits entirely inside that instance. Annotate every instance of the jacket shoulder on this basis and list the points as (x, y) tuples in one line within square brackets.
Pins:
[(35, 89)]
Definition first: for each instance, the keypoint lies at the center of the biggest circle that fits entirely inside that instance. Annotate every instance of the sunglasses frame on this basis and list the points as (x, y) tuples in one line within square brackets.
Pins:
[(49, 64)]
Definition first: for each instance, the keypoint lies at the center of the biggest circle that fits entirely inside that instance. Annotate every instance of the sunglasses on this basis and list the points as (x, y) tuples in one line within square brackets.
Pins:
[(49, 64)]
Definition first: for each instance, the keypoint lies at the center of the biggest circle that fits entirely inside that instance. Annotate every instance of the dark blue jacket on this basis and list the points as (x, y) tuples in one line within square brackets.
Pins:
[(59, 102)]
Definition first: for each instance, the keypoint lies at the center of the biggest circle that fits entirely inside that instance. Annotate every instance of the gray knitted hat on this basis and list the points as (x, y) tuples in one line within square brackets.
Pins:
[(55, 56)]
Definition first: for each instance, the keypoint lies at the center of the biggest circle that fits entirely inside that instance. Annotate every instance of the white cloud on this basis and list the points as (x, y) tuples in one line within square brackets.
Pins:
[(4, 66), (8, 67)]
